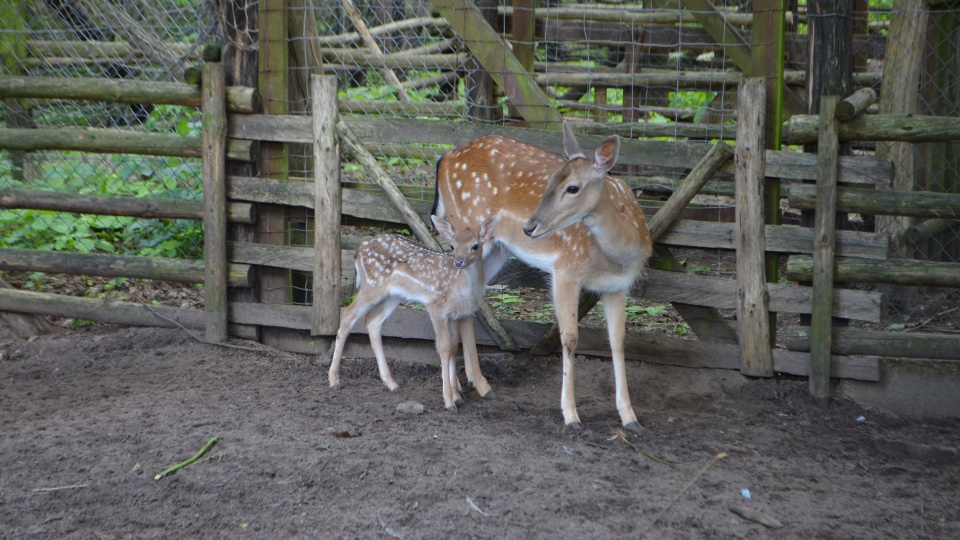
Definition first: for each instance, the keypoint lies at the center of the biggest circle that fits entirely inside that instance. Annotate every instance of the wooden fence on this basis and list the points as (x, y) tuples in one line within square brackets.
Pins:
[(849, 353)]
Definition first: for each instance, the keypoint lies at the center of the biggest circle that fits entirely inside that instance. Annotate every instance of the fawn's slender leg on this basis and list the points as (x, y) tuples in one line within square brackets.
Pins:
[(446, 348), (566, 296), (471, 360), (350, 316), (375, 320), (614, 308)]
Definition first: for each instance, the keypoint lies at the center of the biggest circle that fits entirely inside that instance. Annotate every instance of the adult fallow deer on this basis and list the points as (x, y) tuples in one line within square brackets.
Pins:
[(563, 216), (392, 269)]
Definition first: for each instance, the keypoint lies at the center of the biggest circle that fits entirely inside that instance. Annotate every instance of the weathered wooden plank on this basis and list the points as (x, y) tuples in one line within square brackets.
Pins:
[(240, 99), (893, 272), (214, 115), (923, 204), (780, 239), (823, 249), (117, 142), (855, 341), (326, 156), (801, 128), (108, 265), (116, 205), (752, 298)]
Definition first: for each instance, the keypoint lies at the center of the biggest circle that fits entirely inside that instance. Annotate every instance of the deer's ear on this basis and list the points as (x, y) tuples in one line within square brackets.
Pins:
[(607, 154), (570, 145), (443, 227), (488, 226)]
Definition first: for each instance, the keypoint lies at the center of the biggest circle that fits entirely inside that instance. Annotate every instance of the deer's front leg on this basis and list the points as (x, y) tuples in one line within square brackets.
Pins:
[(614, 308), (446, 347), (566, 296), (471, 361)]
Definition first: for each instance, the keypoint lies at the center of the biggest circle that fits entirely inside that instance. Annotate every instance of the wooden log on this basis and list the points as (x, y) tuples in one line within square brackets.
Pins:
[(894, 272), (856, 341), (922, 204), (670, 211), (426, 108), (429, 25), (23, 325), (921, 232), (240, 99), (108, 265), (752, 296), (824, 250), (855, 104), (214, 116), (112, 141), (112, 205), (326, 155), (108, 51), (802, 128)]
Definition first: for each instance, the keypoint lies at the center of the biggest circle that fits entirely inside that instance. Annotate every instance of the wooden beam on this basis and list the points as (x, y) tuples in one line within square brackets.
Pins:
[(824, 250), (117, 142), (752, 296), (326, 156), (893, 272), (857, 341), (908, 128), (489, 49), (214, 116), (922, 204)]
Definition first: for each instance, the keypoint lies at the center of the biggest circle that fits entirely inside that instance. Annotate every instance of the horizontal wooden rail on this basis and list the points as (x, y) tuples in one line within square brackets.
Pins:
[(118, 142), (868, 342), (426, 108), (240, 99), (893, 272), (107, 205), (665, 154), (802, 128), (922, 204), (108, 265), (362, 57)]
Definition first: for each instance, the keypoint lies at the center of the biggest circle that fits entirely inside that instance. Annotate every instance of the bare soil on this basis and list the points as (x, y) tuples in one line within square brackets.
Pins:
[(88, 416)]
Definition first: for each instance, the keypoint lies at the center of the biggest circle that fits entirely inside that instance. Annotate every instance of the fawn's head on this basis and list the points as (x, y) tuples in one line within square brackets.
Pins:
[(467, 242), (575, 189)]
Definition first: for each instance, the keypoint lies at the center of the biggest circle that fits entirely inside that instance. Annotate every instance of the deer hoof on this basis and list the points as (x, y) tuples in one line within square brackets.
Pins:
[(459, 400), (394, 388), (575, 427), (635, 427), (335, 385), (490, 395), (452, 408)]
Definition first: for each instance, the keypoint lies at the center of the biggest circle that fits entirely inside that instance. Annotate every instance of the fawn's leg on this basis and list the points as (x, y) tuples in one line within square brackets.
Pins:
[(446, 348), (471, 360), (566, 296), (348, 318), (375, 320)]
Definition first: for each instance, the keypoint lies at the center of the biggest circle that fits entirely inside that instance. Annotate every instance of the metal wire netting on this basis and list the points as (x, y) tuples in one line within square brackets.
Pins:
[(641, 69)]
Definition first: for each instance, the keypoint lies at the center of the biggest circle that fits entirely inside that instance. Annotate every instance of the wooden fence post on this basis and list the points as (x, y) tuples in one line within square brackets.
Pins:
[(752, 298), (326, 154), (824, 247), (214, 113)]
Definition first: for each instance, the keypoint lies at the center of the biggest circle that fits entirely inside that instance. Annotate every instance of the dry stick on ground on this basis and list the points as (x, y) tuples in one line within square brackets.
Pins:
[(371, 44), (687, 486), (60, 488), (206, 448)]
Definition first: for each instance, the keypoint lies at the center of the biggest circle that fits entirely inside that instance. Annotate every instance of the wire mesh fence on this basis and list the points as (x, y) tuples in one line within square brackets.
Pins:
[(640, 69)]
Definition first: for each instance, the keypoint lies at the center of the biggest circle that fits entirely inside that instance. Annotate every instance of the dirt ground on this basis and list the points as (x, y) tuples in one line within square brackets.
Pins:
[(88, 416)]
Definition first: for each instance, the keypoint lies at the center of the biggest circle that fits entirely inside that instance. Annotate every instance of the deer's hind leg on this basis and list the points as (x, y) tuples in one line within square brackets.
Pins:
[(348, 318), (375, 320)]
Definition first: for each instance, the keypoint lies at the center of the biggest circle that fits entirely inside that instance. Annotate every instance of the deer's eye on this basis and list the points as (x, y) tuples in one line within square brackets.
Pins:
[(475, 247), (573, 189)]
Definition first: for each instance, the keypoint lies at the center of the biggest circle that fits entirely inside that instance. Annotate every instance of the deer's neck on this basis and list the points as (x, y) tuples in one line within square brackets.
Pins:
[(618, 230), (466, 291)]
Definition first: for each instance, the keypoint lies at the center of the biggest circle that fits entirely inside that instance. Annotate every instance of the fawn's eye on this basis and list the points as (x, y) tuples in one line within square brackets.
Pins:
[(573, 189), (475, 247)]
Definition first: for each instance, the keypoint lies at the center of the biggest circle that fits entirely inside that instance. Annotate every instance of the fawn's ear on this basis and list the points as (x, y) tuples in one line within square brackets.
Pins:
[(570, 145), (606, 155), (443, 227), (488, 226)]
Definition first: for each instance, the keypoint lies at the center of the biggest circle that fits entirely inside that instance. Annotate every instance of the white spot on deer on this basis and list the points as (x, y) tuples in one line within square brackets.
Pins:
[(459, 184), (494, 190), (502, 165), (465, 195)]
